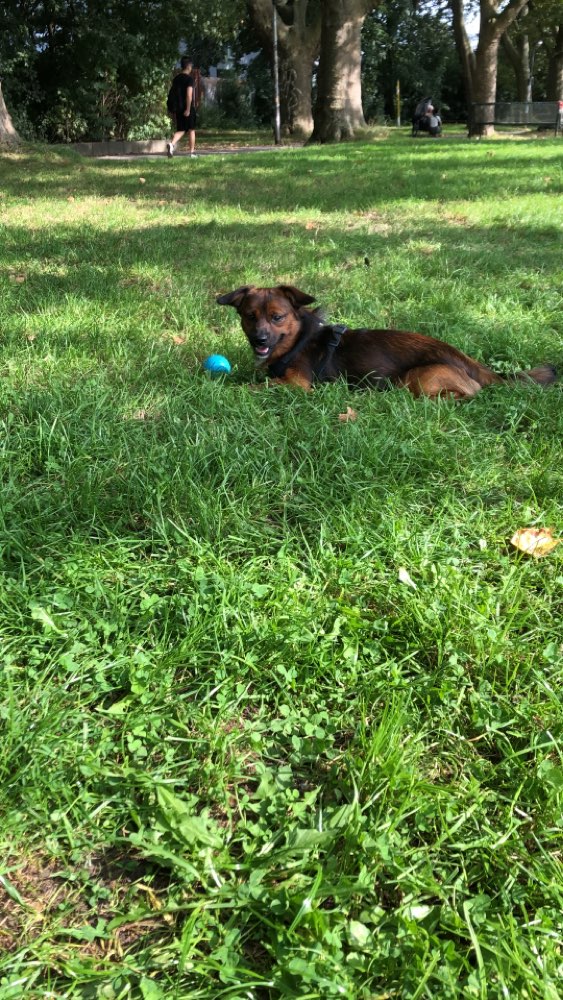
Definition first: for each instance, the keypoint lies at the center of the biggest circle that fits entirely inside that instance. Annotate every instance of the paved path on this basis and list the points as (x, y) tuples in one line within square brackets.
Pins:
[(123, 151)]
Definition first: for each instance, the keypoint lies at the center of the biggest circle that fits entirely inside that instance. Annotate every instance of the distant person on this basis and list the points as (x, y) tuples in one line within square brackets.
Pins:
[(434, 121), (184, 111), (426, 118)]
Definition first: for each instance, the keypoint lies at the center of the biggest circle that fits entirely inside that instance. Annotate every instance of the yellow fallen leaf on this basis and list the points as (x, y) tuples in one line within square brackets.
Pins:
[(349, 416), (142, 180), (535, 542)]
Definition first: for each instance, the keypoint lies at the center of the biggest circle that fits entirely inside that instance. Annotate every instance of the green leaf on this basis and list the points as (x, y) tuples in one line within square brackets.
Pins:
[(185, 824), (552, 774), (119, 707), (417, 912), (343, 817), (87, 933), (307, 840), (40, 614), (12, 892), (169, 859), (150, 990), (359, 934)]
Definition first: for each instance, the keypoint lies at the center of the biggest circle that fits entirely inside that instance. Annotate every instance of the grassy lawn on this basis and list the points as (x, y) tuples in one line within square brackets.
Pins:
[(281, 708)]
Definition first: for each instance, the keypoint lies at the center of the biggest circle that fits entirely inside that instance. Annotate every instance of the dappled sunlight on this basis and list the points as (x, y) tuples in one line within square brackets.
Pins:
[(275, 675)]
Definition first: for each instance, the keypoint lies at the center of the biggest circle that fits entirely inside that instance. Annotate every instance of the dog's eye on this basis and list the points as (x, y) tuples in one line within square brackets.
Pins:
[(277, 317), (251, 316)]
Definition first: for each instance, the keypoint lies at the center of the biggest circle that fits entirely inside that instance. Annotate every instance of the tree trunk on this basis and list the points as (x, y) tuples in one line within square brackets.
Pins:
[(299, 32), (518, 55), (296, 75), (338, 109), (465, 54), (8, 134), (480, 67), (485, 77), (555, 68)]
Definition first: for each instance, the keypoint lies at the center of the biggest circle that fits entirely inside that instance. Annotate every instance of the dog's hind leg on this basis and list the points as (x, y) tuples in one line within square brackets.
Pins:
[(439, 380)]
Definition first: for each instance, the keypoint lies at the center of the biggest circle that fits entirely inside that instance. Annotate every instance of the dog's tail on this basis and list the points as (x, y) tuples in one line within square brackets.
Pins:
[(543, 375)]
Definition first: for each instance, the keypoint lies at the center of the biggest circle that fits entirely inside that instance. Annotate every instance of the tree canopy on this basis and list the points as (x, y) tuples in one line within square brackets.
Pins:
[(75, 69)]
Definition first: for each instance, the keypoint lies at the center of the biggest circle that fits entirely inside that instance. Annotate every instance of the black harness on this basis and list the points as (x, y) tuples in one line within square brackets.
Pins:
[(333, 337)]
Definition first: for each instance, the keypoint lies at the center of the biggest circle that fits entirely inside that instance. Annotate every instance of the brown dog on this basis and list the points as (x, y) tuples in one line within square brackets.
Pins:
[(298, 348)]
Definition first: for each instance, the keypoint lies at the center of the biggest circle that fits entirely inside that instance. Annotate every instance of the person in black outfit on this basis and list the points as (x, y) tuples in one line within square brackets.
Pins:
[(185, 116)]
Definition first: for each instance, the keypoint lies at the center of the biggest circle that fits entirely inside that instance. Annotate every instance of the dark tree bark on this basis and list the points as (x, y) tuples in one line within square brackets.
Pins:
[(299, 33), (555, 67), (480, 66), (518, 55), (8, 134), (465, 52), (338, 110)]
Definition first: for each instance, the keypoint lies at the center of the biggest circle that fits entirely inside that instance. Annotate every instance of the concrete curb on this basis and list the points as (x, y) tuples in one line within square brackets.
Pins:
[(117, 147)]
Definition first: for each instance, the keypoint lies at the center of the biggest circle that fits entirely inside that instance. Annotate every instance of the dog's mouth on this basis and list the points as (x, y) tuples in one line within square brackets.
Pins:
[(262, 350)]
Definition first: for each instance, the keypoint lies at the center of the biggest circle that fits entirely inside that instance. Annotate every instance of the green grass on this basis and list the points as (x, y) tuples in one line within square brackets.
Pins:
[(240, 757)]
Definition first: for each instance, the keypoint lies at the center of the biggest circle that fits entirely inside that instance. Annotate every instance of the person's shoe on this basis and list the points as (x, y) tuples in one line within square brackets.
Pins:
[(170, 149), (193, 156)]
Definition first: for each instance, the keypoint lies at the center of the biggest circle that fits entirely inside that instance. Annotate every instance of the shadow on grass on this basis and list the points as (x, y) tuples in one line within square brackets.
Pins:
[(118, 268)]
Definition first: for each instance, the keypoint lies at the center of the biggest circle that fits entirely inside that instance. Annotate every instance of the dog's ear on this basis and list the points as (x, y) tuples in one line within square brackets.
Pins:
[(296, 297), (234, 298)]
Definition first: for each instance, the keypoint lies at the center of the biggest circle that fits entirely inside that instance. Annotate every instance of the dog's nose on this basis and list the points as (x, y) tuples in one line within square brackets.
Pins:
[(260, 337)]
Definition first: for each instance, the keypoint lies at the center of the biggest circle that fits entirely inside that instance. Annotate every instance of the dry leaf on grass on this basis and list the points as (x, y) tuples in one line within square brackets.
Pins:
[(177, 339), (349, 416), (406, 578), (142, 180), (535, 542), (143, 415), (17, 277)]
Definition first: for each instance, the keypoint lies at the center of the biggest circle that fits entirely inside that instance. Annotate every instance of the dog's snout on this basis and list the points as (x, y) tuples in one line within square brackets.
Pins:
[(261, 337)]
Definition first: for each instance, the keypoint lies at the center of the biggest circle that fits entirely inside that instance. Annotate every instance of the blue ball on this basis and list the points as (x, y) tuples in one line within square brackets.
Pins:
[(216, 365)]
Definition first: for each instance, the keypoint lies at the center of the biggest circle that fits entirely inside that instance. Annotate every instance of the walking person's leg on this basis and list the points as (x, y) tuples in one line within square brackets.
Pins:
[(171, 144)]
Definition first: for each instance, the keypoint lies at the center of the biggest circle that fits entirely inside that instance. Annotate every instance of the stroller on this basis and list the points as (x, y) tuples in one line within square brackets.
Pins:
[(426, 118)]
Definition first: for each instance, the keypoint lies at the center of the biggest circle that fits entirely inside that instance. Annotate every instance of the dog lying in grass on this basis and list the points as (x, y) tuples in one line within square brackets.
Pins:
[(296, 347)]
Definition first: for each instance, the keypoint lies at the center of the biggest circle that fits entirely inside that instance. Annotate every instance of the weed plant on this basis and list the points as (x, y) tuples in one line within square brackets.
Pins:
[(281, 709)]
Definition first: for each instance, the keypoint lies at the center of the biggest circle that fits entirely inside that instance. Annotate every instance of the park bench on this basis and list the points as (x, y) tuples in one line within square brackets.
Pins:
[(530, 113)]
